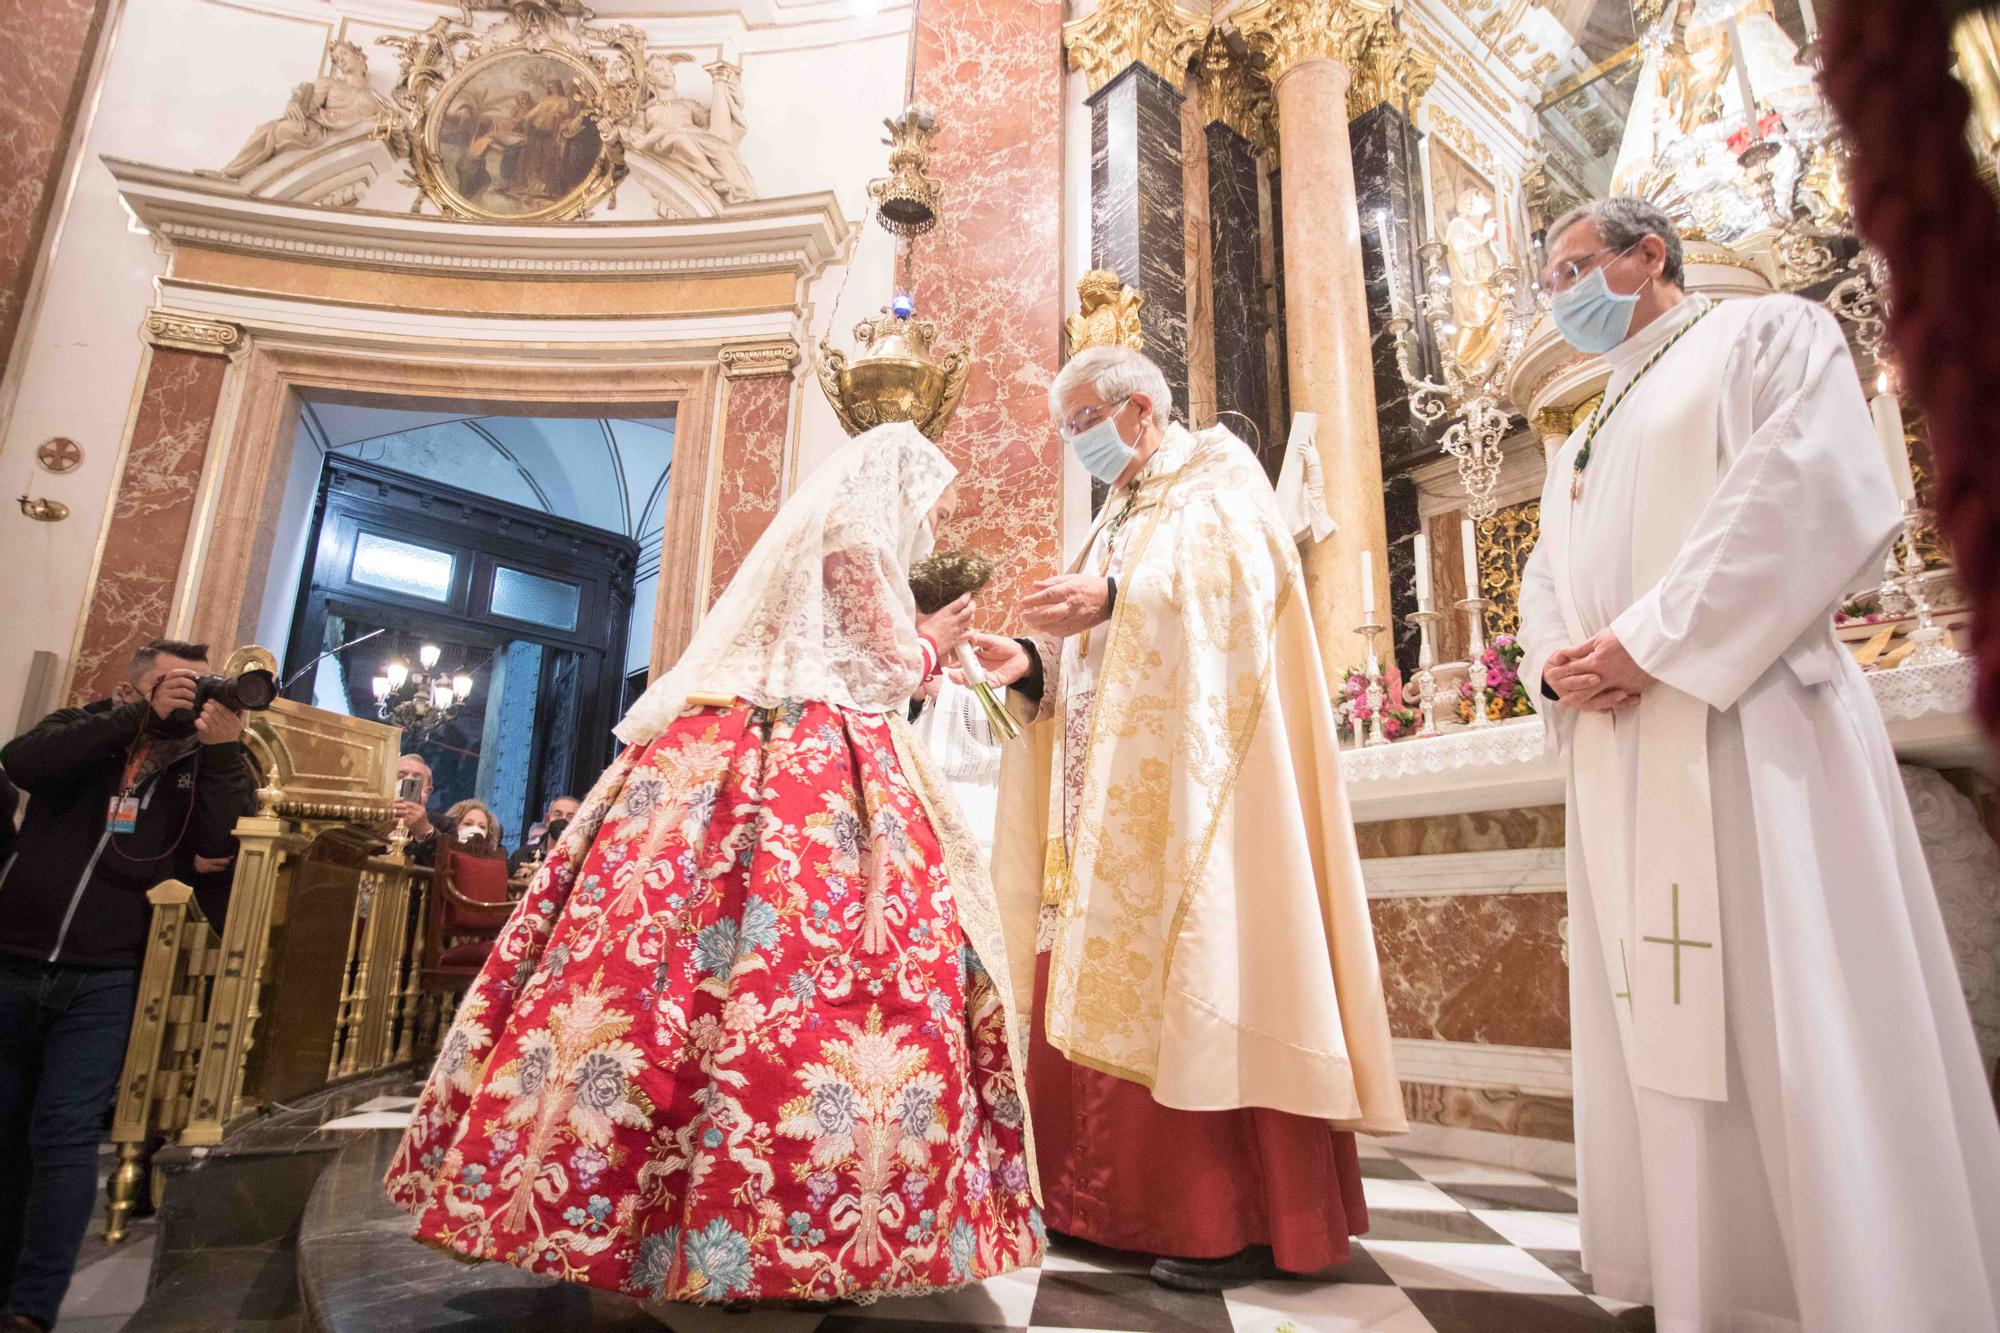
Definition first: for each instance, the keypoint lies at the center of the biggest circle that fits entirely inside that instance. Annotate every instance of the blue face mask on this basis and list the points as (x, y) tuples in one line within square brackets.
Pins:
[(1593, 318), (1103, 451)]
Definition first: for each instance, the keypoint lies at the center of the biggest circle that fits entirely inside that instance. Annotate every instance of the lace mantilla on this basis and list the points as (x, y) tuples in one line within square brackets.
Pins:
[(1903, 693), (821, 608)]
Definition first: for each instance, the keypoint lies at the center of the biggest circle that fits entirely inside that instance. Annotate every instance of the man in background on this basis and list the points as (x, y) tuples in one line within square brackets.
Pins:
[(544, 835), (413, 794), (121, 796)]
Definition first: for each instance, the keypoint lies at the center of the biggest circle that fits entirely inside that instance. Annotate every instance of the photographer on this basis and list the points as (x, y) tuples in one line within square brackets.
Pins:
[(413, 794), (121, 797)]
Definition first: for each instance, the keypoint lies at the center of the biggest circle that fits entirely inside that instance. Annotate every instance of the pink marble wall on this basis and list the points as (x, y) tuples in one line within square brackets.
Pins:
[(751, 438), (991, 273), (150, 514), (1475, 967), (44, 65)]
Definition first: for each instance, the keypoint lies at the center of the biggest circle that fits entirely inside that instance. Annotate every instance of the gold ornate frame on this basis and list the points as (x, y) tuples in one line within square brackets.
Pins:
[(427, 163)]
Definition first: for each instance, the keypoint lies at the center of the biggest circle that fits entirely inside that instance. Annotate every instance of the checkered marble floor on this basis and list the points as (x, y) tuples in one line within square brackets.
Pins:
[(1453, 1247)]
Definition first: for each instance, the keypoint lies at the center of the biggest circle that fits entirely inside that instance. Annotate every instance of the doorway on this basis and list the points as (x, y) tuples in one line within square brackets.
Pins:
[(535, 608)]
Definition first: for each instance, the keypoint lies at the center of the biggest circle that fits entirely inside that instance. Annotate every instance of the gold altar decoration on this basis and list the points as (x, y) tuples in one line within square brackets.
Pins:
[(906, 200), (1236, 95), (1117, 34), (314, 975), (900, 374), (1107, 314), (1504, 543)]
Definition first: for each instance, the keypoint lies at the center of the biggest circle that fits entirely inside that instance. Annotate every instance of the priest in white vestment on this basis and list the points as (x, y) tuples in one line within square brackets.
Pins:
[(1782, 1122), (1176, 859)]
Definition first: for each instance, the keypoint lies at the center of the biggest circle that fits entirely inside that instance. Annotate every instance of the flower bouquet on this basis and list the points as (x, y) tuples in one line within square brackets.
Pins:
[(1506, 696), (936, 582), (1397, 721)]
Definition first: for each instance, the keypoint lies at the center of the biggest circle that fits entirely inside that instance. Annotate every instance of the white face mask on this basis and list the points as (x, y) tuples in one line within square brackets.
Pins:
[(467, 832)]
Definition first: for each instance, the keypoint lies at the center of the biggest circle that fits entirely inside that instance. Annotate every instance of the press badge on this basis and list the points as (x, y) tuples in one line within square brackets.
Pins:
[(124, 815)]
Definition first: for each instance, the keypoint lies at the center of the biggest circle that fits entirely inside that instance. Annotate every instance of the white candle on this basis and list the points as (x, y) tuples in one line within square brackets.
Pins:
[(1810, 19), (1887, 410), (1743, 79), (1422, 555), (1469, 540), (1367, 586)]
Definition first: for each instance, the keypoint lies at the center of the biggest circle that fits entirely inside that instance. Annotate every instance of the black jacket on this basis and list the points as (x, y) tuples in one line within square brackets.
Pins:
[(72, 891)]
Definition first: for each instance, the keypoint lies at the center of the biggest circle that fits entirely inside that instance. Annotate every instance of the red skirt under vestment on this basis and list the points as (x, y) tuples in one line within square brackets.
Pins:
[(1118, 1169), (742, 1050)]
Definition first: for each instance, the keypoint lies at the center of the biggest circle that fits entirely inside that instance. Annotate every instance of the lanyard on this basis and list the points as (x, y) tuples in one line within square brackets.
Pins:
[(133, 764)]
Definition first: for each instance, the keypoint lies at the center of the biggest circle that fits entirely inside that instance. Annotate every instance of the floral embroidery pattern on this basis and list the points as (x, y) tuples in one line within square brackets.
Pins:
[(733, 1044)]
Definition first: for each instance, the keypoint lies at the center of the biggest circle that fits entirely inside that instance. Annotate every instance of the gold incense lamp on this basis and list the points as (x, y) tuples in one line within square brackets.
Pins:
[(906, 200), (900, 373)]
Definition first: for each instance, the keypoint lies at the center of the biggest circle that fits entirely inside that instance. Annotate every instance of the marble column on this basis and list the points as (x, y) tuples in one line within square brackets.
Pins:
[(153, 503), (1389, 198), (754, 424), (1326, 334), (1137, 226), (991, 274), (45, 67)]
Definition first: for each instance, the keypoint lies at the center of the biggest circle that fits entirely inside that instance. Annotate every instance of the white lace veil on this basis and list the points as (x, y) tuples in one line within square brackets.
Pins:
[(821, 608)]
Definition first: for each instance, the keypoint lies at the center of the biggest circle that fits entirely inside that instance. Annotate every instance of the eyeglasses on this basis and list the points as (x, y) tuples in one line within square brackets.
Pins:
[(1561, 277), (1084, 418)]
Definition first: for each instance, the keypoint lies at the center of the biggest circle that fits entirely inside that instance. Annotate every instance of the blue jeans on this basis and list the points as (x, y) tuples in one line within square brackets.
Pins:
[(62, 1046)]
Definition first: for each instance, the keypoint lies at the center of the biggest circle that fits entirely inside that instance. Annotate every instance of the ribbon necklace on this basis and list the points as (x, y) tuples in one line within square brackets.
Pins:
[(1604, 410)]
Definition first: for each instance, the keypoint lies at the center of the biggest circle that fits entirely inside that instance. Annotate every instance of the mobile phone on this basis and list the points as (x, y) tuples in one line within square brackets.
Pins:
[(410, 787)]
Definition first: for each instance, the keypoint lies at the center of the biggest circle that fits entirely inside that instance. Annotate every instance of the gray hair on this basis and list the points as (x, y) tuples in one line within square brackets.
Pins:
[(1622, 222), (1115, 372)]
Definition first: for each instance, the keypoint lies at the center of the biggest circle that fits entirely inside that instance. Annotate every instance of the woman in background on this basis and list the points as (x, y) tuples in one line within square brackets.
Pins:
[(477, 827)]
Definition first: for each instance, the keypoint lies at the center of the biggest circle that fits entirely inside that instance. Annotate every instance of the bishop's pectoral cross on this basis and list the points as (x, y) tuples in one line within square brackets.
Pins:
[(1677, 943)]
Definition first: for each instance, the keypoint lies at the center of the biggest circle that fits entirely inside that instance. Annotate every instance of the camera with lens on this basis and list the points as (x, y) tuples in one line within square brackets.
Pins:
[(251, 689)]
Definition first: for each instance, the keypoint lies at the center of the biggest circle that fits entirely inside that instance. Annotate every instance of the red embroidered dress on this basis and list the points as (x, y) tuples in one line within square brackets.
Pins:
[(737, 1042)]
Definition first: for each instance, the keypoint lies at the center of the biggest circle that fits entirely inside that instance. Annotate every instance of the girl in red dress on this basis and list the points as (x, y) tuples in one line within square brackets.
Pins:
[(749, 1036)]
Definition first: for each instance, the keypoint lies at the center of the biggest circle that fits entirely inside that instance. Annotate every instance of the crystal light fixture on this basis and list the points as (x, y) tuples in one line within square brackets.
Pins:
[(420, 701)]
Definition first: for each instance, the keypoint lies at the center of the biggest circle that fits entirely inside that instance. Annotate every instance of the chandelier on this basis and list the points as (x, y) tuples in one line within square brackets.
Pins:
[(1473, 361), (423, 700)]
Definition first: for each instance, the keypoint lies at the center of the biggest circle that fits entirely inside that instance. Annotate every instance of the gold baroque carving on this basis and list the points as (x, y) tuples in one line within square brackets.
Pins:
[(1459, 135), (1286, 33), (1119, 33), (1505, 541), (192, 334), (751, 360), (1236, 95), (1553, 421), (1108, 314), (1398, 75)]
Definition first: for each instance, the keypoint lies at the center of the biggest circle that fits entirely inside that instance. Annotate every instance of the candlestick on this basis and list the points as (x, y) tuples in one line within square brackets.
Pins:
[(1421, 552), (1469, 540), (1887, 409), (1367, 584), (1425, 679), (1931, 642), (1373, 694), (1475, 673)]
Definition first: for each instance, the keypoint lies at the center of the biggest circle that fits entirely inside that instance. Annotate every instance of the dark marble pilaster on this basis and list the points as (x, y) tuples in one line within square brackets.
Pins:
[(1138, 227), (1275, 201), (1388, 180), (1242, 382), (1399, 503)]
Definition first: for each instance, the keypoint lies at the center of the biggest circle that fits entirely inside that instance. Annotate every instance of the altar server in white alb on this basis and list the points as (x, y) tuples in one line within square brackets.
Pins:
[(1782, 1122)]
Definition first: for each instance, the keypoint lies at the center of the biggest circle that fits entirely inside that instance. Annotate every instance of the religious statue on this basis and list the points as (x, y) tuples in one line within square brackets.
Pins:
[(1469, 255), (705, 140), (327, 105), (1107, 314)]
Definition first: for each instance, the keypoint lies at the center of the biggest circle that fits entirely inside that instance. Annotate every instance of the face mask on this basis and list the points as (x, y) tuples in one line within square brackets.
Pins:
[(467, 832), (1593, 318), (926, 541), (1103, 451)]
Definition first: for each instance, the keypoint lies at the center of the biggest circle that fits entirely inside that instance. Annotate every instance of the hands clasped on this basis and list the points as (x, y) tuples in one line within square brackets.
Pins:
[(1596, 676)]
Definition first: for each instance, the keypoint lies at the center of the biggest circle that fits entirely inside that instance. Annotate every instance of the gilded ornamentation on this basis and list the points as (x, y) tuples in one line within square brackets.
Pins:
[(1505, 541), (191, 334), (1554, 421), (1396, 74), (59, 454), (754, 359), (1236, 95), (1287, 33), (896, 376), (907, 199), (531, 118), (1120, 33), (1108, 314), (1461, 137)]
